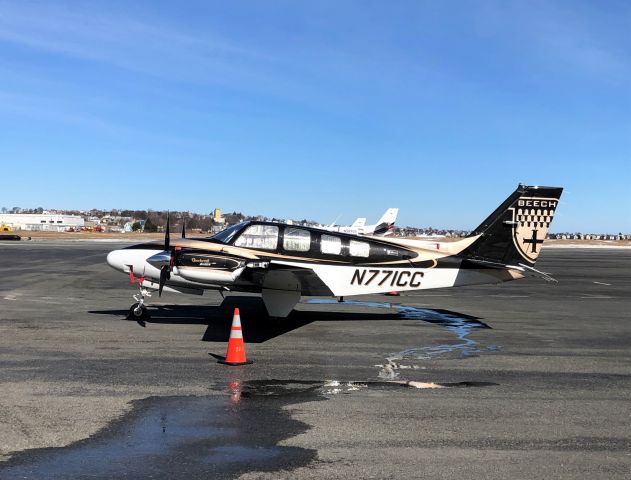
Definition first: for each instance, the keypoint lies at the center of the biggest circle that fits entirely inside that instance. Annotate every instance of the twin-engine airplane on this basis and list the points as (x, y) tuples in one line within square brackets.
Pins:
[(285, 262)]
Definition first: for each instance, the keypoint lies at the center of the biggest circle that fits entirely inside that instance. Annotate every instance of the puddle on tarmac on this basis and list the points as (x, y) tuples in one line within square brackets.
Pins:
[(176, 437), (295, 388), (334, 387), (459, 325)]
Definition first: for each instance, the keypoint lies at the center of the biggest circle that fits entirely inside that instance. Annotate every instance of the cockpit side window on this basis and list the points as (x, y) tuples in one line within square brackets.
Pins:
[(226, 235), (296, 239), (259, 236), (330, 245)]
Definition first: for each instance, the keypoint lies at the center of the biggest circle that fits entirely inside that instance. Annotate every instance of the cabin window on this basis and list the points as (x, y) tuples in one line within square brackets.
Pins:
[(259, 236), (359, 249), (297, 240), (330, 244)]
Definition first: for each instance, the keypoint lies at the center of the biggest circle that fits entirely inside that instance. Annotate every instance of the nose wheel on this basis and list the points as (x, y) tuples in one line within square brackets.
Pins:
[(138, 311)]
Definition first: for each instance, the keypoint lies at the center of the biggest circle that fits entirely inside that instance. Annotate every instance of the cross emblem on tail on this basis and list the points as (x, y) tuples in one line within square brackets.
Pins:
[(533, 241)]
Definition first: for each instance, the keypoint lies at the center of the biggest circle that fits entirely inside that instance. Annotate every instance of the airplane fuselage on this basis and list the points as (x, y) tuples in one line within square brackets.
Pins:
[(284, 262)]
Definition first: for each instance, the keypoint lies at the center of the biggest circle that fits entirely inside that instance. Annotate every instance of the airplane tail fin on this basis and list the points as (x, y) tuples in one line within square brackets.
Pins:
[(387, 220), (360, 222), (514, 232)]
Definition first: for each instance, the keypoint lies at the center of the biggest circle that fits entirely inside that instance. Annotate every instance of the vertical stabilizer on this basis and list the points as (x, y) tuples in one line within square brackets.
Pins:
[(515, 231), (386, 222), (360, 222)]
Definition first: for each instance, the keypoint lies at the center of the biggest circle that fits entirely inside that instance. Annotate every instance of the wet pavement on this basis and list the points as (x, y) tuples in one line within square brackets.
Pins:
[(460, 325), (197, 436), (517, 380), (177, 437)]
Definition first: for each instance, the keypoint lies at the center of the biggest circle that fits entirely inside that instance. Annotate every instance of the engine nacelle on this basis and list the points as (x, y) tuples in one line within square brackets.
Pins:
[(210, 276)]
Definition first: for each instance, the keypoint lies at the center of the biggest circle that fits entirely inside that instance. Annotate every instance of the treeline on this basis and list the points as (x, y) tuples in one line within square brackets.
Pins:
[(155, 220)]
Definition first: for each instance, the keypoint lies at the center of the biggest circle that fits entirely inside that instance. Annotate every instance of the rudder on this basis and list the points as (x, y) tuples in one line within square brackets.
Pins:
[(386, 222)]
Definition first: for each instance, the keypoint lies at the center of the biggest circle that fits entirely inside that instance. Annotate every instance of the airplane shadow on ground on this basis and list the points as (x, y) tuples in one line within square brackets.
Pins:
[(258, 327)]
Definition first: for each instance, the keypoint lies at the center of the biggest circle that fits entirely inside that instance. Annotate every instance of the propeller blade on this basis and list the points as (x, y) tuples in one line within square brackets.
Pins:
[(183, 228), (167, 239), (164, 272)]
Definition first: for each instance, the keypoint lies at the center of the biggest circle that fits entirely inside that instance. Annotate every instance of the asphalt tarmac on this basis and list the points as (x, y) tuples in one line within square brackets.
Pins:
[(520, 380)]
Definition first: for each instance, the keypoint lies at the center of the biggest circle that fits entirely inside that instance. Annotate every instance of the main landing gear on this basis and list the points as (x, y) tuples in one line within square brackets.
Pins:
[(138, 311)]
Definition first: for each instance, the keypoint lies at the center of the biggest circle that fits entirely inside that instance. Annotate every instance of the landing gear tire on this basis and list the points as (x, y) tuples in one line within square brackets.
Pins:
[(138, 312)]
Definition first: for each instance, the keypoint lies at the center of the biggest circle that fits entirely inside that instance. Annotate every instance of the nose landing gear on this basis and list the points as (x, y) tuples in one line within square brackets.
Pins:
[(138, 311)]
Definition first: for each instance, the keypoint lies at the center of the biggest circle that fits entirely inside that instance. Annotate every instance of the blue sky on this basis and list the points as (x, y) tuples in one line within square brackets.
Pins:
[(318, 109)]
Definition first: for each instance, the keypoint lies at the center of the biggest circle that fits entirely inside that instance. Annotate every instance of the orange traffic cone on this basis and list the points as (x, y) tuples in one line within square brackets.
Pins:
[(236, 347)]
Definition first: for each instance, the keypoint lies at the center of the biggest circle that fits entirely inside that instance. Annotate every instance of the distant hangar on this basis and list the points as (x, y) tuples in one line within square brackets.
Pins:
[(51, 222)]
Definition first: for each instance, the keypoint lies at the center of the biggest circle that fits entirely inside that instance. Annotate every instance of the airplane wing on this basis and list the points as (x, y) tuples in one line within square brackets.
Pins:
[(310, 283), (284, 284)]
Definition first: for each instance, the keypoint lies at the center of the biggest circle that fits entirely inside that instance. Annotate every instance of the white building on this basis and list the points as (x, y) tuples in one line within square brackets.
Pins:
[(52, 222)]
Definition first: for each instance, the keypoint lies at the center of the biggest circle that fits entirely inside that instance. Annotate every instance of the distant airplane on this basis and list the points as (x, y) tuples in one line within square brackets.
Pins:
[(359, 222), (284, 262), (383, 226)]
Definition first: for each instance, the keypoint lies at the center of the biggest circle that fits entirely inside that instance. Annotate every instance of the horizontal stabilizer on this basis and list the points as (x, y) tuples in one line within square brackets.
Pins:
[(525, 270)]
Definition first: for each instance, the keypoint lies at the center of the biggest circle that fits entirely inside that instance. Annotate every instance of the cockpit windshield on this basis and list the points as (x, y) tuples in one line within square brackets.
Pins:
[(225, 236)]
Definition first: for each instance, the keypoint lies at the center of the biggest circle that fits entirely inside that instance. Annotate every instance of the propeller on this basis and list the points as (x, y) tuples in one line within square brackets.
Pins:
[(165, 260), (166, 234), (165, 270)]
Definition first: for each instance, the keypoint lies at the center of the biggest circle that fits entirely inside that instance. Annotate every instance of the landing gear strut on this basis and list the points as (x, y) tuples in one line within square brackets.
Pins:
[(138, 311)]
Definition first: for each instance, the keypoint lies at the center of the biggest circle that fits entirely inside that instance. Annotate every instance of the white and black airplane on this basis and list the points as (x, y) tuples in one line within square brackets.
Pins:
[(284, 262), (383, 226)]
